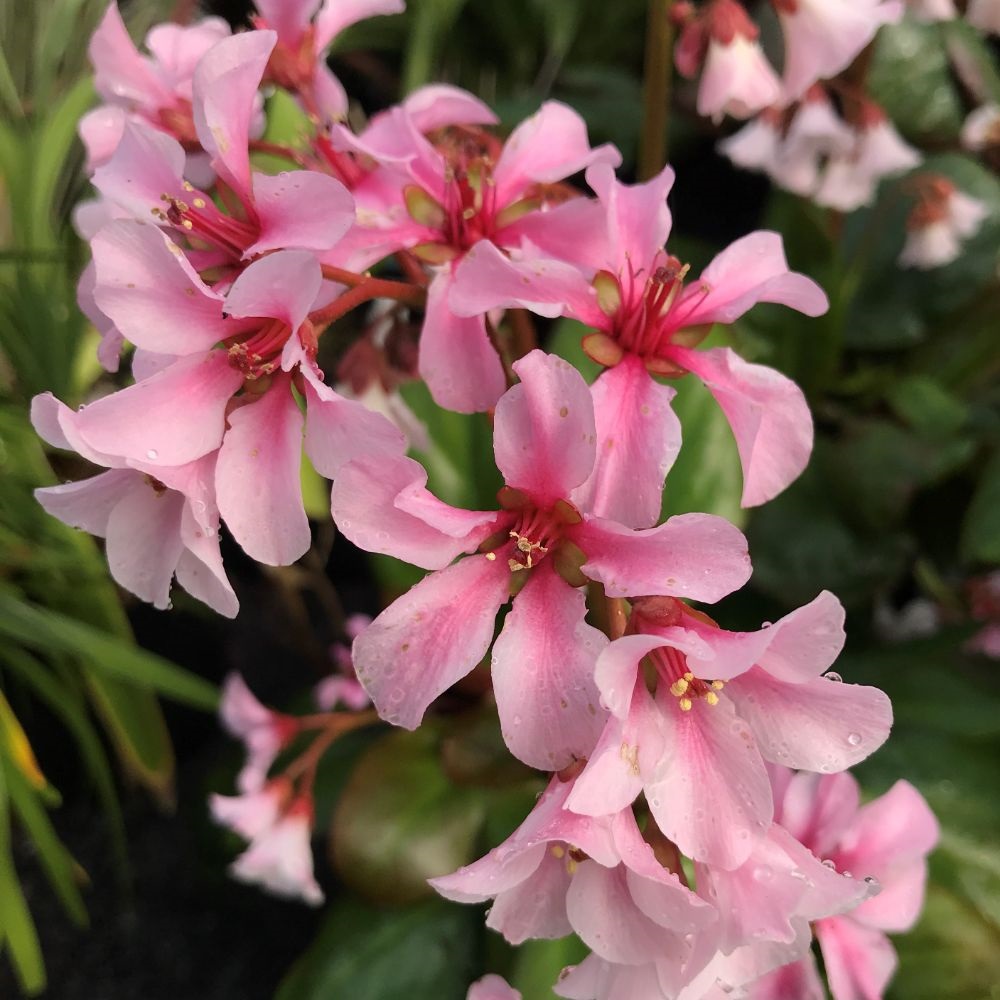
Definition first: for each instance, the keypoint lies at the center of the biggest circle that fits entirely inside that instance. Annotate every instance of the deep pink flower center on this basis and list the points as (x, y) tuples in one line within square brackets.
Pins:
[(535, 532), (672, 671), (470, 205), (258, 352), (200, 219)]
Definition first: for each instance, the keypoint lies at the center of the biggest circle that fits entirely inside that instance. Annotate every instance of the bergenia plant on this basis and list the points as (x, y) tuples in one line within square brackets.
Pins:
[(697, 827)]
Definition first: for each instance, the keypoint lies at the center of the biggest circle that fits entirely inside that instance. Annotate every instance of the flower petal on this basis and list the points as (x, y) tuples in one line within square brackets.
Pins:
[(638, 438), (700, 556), (819, 725), (543, 666), (257, 478), (767, 412), (170, 418), (282, 285), (121, 74), (336, 15), (859, 961), (536, 907), (88, 504), (544, 431), (430, 638)]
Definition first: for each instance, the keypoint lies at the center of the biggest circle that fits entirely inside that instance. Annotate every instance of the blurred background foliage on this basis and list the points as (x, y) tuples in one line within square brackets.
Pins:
[(899, 514)]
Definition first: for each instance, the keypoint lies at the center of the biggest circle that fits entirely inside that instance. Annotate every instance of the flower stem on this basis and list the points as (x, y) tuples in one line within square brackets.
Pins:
[(656, 89)]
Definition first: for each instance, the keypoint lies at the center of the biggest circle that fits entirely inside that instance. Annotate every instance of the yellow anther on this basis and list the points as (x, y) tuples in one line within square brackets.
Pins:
[(199, 203), (685, 704), (187, 224), (679, 687), (712, 698), (491, 556), (557, 850), (689, 677), (571, 866), (718, 685)]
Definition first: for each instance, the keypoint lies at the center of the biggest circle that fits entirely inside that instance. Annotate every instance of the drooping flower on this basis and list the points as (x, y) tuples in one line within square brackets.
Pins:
[(724, 703), (342, 686), (887, 841), (648, 321), (546, 543), (940, 221)]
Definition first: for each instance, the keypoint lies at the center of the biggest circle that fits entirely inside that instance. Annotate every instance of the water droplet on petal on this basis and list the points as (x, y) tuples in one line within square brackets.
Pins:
[(854, 739), (833, 676), (829, 864), (152, 454)]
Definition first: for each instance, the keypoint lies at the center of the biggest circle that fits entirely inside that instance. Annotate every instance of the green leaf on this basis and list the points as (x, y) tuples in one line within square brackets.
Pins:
[(400, 820), (537, 965), (981, 527), (927, 406), (422, 952), (45, 630)]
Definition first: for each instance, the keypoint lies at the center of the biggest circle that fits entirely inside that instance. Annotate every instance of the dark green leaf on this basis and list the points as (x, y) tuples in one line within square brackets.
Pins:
[(981, 527)]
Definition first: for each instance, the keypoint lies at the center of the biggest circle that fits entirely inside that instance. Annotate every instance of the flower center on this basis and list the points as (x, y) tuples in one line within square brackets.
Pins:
[(672, 670), (201, 219)]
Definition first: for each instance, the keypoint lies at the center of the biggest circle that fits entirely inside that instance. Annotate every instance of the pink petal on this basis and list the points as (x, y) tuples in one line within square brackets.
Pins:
[(638, 220), (543, 664), (798, 979), (859, 962), (736, 79), (547, 147), (257, 479), (601, 911), (638, 438), (336, 15), (383, 505), (817, 809), (699, 556), (430, 638), (178, 48), (148, 289), (751, 270), (88, 504), (144, 542), (492, 988), (900, 900), (457, 361), (535, 908), (169, 419), (282, 285), (897, 826), (496, 873), (224, 91), (618, 667), (300, 210), (819, 725), (199, 569), (339, 430), (329, 94), (544, 431), (146, 165), (289, 18), (57, 424), (122, 75), (767, 412), (710, 793), (488, 279), (100, 131), (574, 232), (437, 105)]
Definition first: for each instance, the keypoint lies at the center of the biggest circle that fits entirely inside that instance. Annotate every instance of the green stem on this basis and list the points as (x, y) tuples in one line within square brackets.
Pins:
[(656, 88)]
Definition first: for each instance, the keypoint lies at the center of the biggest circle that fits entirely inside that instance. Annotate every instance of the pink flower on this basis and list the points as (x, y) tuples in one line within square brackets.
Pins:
[(757, 145), (851, 179), (439, 203), (981, 129), (305, 33), (492, 988), (984, 15), (887, 841), (190, 408), (252, 813), (158, 521), (544, 544), (725, 702), (154, 89), (279, 858), (649, 320), (822, 37), (263, 731), (343, 686), (736, 77), (941, 220), (560, 873)]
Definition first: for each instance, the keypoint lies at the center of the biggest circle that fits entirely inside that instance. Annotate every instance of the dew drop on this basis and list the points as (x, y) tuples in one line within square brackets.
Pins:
[(833, 676), (152, 454), (854, 739), (763, 873), (829, 864)]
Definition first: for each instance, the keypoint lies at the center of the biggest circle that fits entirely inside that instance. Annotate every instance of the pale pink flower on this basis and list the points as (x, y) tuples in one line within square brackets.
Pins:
[(649, 320), (757, 145), (725, 702), (545, 446), (263, 732), (560, 873), (736, 77), (306, 29), (930, 11), (887, 842), (984, 15), (940, 222), (822, 37), (815, 133), (492, 988), (343, 686), (851, 179), (154, 89), (158, 522), (439, 203), (279, 858), (252, 813), (981, 129)]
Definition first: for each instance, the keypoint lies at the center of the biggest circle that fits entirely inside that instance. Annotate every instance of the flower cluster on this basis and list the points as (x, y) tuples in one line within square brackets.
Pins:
[(673, 836)]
